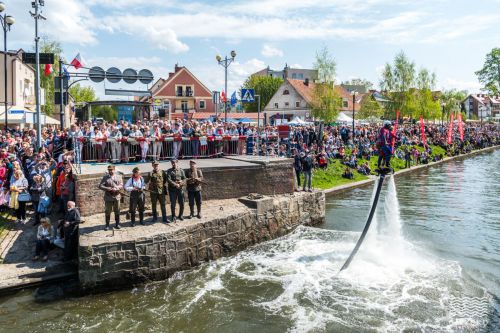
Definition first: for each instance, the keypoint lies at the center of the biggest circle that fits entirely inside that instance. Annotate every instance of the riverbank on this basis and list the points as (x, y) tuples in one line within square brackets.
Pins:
[(370, 179)]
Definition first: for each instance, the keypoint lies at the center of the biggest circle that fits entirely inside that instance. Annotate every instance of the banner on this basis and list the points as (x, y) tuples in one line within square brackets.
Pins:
[(422, 131), (450, 129), (460, 126), (394, 130)]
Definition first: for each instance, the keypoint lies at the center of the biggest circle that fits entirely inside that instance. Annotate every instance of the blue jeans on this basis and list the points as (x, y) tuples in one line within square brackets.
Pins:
[(307, 179)]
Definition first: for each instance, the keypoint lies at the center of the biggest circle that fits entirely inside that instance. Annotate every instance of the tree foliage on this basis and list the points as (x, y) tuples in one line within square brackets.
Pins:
[(360, 82), (451, 100), (370, 108), (82, 94), (47, 82), (107, 112), (489, 75), (265, 87), (326, 101), (326, 66)]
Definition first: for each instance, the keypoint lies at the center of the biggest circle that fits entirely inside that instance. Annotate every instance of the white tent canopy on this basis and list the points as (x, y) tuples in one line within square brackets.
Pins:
[(342, 117), (298, 122)]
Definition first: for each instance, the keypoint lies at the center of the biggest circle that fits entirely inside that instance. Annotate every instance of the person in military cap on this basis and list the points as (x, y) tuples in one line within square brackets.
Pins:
[(135, 186), (157, 187), (111, 184), (175, 180), (194, 181)]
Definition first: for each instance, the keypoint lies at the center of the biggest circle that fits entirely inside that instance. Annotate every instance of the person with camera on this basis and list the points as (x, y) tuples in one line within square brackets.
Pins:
[(44, 239), (111, 184), (194, 181), (135, 186)]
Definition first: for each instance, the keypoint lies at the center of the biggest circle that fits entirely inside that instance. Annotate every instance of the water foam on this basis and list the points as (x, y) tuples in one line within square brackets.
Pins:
[(390, 286)]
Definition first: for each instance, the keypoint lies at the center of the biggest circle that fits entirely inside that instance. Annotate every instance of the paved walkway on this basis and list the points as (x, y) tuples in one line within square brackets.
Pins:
[(230, 161), (17, 270)]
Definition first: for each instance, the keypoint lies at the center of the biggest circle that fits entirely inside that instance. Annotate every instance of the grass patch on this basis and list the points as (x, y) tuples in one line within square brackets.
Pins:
[(332, 176)]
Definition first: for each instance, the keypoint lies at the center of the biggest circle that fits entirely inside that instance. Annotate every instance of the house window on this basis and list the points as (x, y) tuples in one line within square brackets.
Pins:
[(275, 105), (294, 76), (166, 104), (286, 92), (287, 104), (345, 103), (184, 106), (300, 76), (189, 91), (202, 104), (179, 91), (297, 104)]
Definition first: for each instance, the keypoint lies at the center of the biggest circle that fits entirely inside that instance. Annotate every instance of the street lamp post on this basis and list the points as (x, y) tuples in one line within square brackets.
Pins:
[(353, 93), (225, 63), (37, 15), (7, 22)]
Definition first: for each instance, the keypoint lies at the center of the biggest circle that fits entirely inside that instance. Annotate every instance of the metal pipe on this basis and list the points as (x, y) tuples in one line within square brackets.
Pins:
[(37, 80), (225, 89), (61, 80)]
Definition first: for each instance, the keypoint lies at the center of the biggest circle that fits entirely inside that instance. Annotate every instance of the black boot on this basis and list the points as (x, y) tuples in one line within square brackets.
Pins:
[(141, 218), (173, 218), (107, 223), (191, 213), (199, 212), (117, 222), (155, 216), (132, 219)]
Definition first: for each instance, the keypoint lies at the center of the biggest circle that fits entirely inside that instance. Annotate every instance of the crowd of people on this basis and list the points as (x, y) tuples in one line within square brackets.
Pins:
[(41, 179)]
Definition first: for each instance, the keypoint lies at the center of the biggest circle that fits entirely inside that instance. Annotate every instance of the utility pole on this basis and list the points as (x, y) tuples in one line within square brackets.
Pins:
[(61, 80), (7, 21), (37, 15), (225, 63)]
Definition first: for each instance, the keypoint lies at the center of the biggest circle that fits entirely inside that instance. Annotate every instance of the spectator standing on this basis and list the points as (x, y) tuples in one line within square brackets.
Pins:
[(307, 165), (297, 166)]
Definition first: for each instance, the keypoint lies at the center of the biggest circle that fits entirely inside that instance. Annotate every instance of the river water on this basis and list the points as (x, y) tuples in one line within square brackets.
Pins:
[(430, 263)]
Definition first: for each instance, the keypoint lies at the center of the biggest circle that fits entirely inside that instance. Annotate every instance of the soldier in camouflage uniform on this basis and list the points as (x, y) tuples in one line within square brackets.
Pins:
[(175, 180), (157, 188), (111, 184)]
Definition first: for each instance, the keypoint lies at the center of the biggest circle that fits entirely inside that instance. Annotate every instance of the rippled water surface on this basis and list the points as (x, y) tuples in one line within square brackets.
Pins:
[(430, 263)]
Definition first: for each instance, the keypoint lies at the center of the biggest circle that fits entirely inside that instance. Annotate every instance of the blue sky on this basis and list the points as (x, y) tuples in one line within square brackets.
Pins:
[(450, 38)]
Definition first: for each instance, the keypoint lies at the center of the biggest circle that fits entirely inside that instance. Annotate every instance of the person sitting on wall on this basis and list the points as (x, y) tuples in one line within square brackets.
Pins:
[(44, 239)]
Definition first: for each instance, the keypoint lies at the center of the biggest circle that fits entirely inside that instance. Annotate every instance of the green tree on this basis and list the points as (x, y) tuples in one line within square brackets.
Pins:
[(489, 75), (47, 82), (451, 100), (397, 79), (326, 101), (360, 82), (370, 108), (107, 112), (425, 104), (265, 87), (82, 94)]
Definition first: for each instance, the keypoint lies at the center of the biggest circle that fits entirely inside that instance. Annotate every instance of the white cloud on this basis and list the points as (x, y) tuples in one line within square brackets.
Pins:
[(471, 86), (271, 51)]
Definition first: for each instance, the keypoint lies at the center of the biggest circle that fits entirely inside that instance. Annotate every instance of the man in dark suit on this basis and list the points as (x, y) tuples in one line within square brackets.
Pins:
[(71, 221)]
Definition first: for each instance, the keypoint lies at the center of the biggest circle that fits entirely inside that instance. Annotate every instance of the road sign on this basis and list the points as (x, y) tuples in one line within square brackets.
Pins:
[(247, 95), (45, 58)]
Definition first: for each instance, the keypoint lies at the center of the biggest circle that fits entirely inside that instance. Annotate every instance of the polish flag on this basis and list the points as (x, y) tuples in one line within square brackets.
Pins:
[(77, 62), (223, 98), (48, 70)]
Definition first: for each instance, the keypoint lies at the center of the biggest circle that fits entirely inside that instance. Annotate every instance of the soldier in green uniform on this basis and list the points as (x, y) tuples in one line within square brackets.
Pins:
[(157, 188), (175, 180), (194, 180), (111, 184)]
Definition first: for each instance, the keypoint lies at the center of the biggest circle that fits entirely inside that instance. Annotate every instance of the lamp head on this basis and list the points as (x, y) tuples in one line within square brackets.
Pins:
[(233, 53), (10, 20), (2, 7), (218, 57)]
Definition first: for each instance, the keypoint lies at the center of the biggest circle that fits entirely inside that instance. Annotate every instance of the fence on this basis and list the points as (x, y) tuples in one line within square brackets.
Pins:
[(140, 149)]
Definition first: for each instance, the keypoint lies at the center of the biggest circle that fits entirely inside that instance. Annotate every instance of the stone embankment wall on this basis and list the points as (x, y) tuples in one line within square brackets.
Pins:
[(221, 183), (138, 258)]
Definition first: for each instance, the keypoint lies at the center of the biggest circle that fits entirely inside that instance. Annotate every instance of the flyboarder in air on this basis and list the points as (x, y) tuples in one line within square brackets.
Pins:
[(384, 145)]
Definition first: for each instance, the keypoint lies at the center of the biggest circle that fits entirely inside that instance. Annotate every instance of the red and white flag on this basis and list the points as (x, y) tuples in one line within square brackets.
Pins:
[(450, 130), (460, 126), (422, 131), (223, 98), (48, 70), (77, 62)]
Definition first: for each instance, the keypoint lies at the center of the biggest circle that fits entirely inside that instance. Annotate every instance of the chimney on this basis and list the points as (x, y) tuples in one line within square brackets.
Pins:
[(177, 67), (170, 75), (306, 81)]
